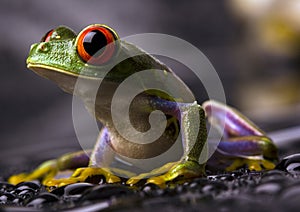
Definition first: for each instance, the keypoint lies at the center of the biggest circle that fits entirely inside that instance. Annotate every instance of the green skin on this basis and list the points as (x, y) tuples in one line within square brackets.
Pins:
[(58, 60)]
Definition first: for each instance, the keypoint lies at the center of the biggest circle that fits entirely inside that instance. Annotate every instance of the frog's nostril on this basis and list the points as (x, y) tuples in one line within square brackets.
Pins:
[(43, 47)]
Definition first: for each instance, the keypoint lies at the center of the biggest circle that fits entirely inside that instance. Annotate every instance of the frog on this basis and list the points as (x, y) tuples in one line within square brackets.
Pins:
[(63, 57)]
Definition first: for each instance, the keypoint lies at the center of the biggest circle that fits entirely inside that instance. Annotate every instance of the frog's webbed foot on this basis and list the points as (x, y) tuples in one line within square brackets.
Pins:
[(82, 175), (243, 143), (171, 172), (49, 169), (180, 171), (256, 164), (46, 170)]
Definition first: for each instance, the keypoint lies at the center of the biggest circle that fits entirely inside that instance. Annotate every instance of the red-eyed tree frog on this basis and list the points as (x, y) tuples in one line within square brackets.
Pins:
[(63, 57)]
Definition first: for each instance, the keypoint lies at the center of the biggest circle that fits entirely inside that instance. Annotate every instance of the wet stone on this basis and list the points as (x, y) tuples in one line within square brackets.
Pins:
[(246, 181), (158, 202), (214, 188), (169, 192), (59, 191), (240, 203), (225, 177), (27, 193), (290, 164), (6, 197), (98, 206), (290, 195), (42, 199), (181, 189), (275, 176), (76, 189), (17, 201), (211, 178), (271, 188), (198, 184), (151, 190), (105, 191), (237, 173), (28, 185), (6, 187), (291, 191)]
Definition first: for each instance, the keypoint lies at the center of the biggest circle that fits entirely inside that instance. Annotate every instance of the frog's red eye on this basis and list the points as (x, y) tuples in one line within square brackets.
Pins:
[(92, 44), (47, 36)]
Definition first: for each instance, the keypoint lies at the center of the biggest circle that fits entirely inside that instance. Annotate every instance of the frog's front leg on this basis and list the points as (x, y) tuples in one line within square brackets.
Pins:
[(93, 167), (194, 136), (242, 144), (67, 169)]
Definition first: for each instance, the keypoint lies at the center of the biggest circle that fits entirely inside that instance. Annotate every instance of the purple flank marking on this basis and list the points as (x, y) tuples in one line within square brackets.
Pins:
[(240, 147)]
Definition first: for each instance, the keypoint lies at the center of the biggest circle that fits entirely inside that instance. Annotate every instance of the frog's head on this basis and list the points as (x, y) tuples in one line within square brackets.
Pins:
[(62, 56)]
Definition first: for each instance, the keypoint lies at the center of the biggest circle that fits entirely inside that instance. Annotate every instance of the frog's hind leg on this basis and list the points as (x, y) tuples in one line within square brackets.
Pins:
[(243, 143), (250, 151), (49, 169)]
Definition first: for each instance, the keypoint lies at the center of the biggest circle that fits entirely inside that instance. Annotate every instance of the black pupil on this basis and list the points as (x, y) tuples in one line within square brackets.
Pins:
[(93, 42)]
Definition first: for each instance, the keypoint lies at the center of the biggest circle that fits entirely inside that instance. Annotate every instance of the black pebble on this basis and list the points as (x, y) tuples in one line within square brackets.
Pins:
[(290, 195), (6, 187), (198, 184), (42, 199), (270, 188), (26, 193), (26, 185), (77, 188), (6, 197), (105, 191), (59, 191), (214, 188), (237, 173), (72, 190), (274, 176), (17, 201), (290, 164), (151, 190), (225, 177)]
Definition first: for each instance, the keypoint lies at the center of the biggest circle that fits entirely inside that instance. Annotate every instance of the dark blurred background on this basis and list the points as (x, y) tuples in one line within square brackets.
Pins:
[(253, 45)]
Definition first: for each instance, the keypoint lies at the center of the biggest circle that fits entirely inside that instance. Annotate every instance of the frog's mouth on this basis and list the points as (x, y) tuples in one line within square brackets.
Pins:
[(65, 80), (47, 71)]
